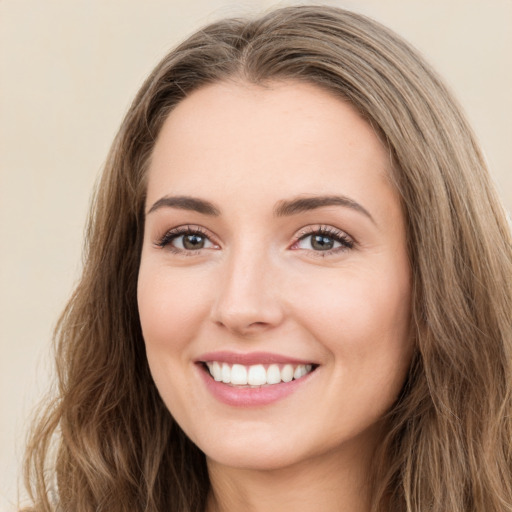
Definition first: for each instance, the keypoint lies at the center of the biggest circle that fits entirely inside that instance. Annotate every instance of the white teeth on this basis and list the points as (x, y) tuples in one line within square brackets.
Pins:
[(273, 374), (238, 375), (216, 372), (287, 373), (256, 375), (226, 373), (297, 374)]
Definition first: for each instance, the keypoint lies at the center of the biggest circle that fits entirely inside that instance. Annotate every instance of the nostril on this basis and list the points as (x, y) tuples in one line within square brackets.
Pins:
[(257, 324), (241, 324)]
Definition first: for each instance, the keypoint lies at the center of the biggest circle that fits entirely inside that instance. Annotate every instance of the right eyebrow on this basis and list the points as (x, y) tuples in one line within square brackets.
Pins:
[(186, 203), (304, 204)]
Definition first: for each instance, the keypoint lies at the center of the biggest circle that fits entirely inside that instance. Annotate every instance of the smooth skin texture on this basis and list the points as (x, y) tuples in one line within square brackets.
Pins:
[(262, 282)]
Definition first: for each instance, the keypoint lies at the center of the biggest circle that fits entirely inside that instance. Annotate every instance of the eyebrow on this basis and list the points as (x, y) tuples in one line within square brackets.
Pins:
[(303, 204), (282, 208), (186, 203)]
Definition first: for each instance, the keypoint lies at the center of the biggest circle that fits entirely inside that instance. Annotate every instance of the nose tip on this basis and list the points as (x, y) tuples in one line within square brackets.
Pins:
[(243, 322), (247, 302), (248, 313)]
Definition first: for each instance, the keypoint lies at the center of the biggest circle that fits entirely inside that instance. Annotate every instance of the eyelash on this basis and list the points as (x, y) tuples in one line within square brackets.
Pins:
[(334, 234), (172, 234), (346, 243)]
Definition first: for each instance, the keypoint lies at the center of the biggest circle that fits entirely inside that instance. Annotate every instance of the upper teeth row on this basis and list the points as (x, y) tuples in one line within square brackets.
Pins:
[(256, 375)]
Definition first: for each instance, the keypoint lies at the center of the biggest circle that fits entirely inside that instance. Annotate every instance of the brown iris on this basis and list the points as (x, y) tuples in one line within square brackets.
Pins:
[(193, 241), (321, 242)]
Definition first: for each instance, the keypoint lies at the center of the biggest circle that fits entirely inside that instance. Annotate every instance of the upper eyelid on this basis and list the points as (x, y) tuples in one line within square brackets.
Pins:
[(322, 228), (178, 231), (187, 228)]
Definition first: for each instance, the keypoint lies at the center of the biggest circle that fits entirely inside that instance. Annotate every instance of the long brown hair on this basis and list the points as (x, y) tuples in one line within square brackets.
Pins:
[(108, 443)]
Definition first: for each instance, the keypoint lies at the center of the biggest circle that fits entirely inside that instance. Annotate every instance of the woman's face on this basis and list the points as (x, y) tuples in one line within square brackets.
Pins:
[(274, 249)]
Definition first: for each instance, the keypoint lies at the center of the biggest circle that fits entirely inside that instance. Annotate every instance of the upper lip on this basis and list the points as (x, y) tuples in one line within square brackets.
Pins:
[(250, 358)]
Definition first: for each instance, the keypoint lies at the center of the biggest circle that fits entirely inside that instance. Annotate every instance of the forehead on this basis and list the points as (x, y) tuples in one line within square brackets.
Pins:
[(286, 138)]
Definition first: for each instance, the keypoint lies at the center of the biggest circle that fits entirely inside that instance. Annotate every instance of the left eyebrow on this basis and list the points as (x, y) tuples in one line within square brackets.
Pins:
[(186, 203), (303, 204)]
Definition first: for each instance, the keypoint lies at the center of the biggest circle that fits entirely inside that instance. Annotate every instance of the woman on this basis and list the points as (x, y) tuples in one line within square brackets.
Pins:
[(297, 292)]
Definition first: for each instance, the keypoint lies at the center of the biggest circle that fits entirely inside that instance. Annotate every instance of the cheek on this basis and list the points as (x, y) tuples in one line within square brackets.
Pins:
[(362, 319), (171, 305), (354, 307), (171, 308)]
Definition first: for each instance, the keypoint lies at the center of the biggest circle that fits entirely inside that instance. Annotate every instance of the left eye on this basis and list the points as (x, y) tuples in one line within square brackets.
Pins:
[(320, 241), (191, 241)]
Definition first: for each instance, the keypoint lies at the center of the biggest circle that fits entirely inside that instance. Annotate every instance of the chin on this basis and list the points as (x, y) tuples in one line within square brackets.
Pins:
[(279, 448), (251, 451), (253, 458)]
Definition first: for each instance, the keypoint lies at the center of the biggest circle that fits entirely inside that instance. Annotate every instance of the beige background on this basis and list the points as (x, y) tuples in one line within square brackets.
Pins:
[(68, 70)]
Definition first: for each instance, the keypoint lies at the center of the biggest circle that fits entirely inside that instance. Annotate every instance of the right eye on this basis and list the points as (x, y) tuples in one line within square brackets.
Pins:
[(191, 241), (186, 239)]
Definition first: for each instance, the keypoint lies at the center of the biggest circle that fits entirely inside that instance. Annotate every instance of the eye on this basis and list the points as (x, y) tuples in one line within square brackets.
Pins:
[(191, 241), (324, 239), (186, 239)]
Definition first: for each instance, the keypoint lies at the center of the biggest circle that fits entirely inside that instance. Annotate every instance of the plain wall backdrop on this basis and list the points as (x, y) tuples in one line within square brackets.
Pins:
[(68, 71)]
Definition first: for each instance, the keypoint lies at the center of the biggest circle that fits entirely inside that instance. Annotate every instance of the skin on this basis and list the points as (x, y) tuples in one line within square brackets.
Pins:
[(258, 284)]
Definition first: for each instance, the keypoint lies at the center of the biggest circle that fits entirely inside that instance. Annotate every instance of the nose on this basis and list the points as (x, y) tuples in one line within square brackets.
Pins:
[(248, 300)]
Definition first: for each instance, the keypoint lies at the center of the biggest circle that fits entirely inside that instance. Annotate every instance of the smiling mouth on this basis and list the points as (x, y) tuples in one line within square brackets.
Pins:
[(256, 375)]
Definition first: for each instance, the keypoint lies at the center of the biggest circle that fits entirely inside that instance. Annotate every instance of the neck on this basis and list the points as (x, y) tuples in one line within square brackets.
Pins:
[(336, 482)]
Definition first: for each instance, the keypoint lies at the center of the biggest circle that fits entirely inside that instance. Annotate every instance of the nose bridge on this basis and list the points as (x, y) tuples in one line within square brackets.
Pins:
[(247, 298)]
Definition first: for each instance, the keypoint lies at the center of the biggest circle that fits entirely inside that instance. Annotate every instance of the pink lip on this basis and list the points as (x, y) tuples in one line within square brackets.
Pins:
[(250, 358), (247, 396)]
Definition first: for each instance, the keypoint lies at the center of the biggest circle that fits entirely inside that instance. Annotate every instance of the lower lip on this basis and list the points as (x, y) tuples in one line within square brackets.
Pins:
[(250, 397)]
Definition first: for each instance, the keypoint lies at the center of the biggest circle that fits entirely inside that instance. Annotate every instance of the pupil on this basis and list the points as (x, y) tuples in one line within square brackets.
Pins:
[(193, 242), (322, 243)]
